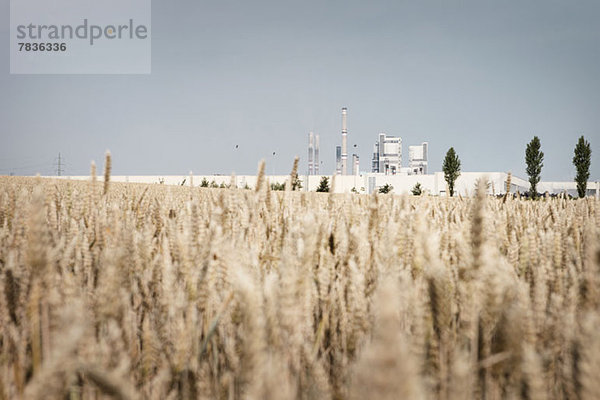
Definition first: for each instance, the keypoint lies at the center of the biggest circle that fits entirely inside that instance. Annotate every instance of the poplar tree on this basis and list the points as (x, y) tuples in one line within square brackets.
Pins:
[(534, 158), (451, 169), (581, 161)]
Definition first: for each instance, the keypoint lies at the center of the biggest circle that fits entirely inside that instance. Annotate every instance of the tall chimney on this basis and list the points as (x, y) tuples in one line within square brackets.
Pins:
[(316, 162), (310, 152), (355, 165), (425, 151), (344, 142)]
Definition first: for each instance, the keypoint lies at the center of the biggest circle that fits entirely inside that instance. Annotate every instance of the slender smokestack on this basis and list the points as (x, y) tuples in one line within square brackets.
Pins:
[(355, 164), (344, 142), (425, 151), (316, 162), (310, 152)]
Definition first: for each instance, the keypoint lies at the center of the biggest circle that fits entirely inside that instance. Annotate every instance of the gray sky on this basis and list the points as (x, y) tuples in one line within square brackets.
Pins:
[(482, 76)]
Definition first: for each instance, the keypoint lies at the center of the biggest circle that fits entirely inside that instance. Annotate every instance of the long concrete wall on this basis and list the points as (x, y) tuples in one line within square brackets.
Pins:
[(367, 183)]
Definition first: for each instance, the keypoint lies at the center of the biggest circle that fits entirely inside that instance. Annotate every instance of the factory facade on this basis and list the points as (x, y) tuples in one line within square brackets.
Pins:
[(432, 184)]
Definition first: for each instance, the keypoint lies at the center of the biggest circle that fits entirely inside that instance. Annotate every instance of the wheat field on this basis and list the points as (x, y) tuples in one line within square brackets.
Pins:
[(132, 291)]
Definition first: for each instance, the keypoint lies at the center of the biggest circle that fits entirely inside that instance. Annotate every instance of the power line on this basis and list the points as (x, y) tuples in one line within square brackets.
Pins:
[(26, 166), (57, 167)]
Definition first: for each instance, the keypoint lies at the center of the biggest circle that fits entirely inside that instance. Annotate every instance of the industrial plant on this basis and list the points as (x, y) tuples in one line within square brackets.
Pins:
[(386, 169), (387, 155)]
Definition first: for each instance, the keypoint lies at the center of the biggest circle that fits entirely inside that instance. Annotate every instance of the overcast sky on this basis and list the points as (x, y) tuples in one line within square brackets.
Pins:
[(481, 76)]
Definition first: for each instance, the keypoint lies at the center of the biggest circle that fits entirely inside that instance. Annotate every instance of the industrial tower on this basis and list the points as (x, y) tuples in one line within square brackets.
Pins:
[(344, 158)]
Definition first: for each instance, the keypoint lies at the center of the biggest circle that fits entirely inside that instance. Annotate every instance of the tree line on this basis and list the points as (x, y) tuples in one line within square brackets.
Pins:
[(534, 159)]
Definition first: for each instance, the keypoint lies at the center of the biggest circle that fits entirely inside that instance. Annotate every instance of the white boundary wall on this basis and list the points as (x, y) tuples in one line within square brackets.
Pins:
[(367, 183)]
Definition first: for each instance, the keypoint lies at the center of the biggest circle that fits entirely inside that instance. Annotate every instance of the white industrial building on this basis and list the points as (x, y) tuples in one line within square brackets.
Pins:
[(433, 184), (387, 155), (417, 159)]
